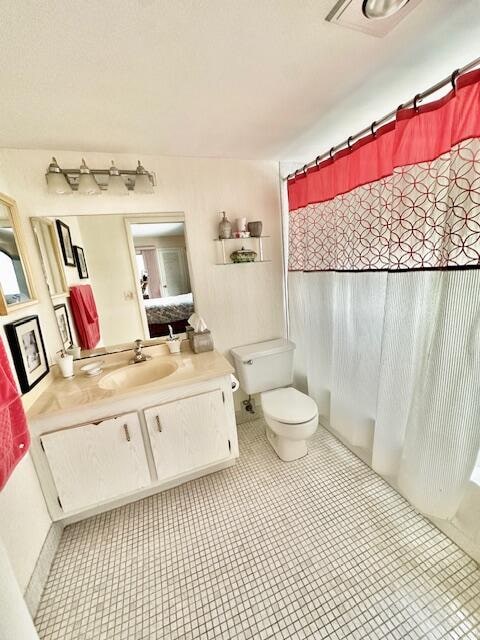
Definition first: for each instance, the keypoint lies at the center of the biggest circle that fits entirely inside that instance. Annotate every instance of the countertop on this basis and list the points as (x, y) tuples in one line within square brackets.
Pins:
[(72, 393)]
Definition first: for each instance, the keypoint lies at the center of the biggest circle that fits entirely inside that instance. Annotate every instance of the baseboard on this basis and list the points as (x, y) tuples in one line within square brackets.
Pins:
[(37, 583), (244, 416)]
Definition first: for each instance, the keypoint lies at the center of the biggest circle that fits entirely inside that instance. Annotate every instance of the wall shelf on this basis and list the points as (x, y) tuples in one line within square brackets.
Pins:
[(240, 241), (226, 264)]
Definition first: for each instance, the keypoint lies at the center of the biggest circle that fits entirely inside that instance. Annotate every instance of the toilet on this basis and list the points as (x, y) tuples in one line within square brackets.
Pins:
[(291, 416)]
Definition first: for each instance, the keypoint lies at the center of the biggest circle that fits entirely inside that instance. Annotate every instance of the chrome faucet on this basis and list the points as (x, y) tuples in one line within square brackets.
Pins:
[(138, 356)]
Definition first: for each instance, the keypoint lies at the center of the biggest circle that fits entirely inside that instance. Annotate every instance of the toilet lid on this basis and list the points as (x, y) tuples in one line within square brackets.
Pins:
[(288, 405)]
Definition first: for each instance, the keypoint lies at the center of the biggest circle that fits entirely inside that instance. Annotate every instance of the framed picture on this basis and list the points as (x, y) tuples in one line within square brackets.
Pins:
[(65, 243), (63, 323), (28, 351), (81, 262)]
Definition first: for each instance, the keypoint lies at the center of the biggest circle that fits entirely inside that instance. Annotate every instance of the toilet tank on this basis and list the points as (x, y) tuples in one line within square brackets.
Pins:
[(264, 365)]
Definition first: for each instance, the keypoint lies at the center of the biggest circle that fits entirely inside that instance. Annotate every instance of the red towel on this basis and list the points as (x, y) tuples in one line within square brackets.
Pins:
[(14, 436), (85, 315)]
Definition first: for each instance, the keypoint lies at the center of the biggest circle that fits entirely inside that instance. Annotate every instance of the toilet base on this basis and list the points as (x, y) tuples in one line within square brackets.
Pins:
[(286, 449)]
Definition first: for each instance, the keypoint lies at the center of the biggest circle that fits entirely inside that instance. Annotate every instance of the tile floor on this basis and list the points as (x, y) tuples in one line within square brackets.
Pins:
[(317, 548)]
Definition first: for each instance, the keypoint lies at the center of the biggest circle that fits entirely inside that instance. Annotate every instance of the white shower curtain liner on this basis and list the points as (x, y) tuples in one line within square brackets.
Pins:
[(393, 362)]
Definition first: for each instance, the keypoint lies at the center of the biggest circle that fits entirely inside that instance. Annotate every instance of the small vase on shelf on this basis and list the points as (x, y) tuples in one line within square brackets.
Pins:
[(255, 228)]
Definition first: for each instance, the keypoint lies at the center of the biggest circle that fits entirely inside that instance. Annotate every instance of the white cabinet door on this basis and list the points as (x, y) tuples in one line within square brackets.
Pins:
[(188, 434), (97, 462)]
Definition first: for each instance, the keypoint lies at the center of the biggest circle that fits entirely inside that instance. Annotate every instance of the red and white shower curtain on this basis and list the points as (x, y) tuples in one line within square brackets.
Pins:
[(384, 295)]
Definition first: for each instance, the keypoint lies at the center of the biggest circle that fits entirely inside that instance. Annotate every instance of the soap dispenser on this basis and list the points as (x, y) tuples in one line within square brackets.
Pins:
[(224, 228)]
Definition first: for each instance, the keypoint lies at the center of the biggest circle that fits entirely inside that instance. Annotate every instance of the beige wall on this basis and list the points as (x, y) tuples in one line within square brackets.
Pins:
[(241, 303), (24, 519), (113, 280)]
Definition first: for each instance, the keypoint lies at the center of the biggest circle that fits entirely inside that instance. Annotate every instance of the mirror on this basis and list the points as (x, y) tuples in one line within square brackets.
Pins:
[(16, 289), (129, 277)]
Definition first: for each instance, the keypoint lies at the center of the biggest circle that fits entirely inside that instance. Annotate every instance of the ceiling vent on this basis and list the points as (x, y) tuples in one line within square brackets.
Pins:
[(352, 14)]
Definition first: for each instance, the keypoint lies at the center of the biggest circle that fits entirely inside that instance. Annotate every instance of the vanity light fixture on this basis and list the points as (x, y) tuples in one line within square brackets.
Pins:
[(116, 184), (142, 181), (87, 185), (376, 9), (56, 181), (92, 181)]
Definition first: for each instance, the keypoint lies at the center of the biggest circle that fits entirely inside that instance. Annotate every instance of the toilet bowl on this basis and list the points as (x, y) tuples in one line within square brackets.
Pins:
[(292, 418)]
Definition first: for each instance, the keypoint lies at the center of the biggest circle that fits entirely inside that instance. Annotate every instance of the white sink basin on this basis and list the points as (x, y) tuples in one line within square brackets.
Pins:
[(136, 375)]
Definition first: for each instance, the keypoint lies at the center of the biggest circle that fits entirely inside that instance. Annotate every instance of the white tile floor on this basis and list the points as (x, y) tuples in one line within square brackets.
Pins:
[(317, 548)]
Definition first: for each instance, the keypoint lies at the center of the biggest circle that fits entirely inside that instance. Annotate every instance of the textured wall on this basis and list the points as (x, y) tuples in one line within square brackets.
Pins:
[(241, 303)]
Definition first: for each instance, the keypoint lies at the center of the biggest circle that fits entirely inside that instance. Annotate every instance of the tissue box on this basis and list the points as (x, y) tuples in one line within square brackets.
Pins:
[(201, 341)]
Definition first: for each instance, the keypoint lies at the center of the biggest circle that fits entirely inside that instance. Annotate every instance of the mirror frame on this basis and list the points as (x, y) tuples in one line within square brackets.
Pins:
[(6, 308), (50, 224)]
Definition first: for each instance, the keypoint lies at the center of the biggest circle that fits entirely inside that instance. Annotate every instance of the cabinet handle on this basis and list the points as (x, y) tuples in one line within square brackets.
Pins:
[(127, 432), (159, 426)]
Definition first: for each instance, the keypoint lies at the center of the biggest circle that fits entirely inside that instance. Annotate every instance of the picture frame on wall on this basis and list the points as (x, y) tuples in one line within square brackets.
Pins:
[(28, 351), (81, 262), (65, 238), (63, 323)]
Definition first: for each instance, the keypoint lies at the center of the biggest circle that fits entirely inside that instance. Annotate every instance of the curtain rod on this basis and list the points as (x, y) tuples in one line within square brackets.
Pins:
[(376, 123)]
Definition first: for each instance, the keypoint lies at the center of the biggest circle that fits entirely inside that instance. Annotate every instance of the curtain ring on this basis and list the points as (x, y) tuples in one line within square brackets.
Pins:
[(304, 170), (331, 153), (295, 173), (317, 163), (415, 101), (453, 79), (400, 106), (372, 128), (349, 143)]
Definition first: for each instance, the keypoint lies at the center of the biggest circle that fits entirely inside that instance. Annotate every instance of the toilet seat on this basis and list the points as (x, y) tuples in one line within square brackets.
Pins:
[(288, 406)]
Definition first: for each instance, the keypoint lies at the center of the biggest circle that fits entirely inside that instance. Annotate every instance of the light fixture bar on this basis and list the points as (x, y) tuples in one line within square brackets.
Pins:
[(101, 175)]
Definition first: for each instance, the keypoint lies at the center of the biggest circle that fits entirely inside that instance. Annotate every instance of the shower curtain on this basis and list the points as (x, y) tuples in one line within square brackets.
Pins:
[(384, 295)]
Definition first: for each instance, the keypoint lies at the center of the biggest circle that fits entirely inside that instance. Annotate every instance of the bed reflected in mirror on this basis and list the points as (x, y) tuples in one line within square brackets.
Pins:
[(162, 273)]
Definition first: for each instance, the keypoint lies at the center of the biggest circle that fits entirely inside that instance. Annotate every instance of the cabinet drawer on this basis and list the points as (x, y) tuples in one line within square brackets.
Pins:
[(189, 433), (96, 462)]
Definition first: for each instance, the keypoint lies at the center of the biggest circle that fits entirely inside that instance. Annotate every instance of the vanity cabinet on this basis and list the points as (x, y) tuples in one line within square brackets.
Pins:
[(189, 433), (89, 461), (95, 462)]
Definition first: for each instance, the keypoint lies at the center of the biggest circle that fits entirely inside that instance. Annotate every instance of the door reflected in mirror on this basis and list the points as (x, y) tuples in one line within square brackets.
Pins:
[(15, 280), (162, 272)]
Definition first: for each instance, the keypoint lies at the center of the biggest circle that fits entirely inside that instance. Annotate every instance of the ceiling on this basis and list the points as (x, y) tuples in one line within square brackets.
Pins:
[(157, 229), (219, 78)]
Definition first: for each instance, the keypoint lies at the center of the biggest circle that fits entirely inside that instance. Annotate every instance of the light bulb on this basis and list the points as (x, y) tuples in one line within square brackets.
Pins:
[(142, 181), (375, 9), (116, 184), (87, 184), (56, 182)]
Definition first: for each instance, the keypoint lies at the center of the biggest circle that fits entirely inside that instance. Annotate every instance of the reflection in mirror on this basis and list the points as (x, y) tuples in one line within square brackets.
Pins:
[(45, 235), (16, 287), (137, 282), (162, 272)]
